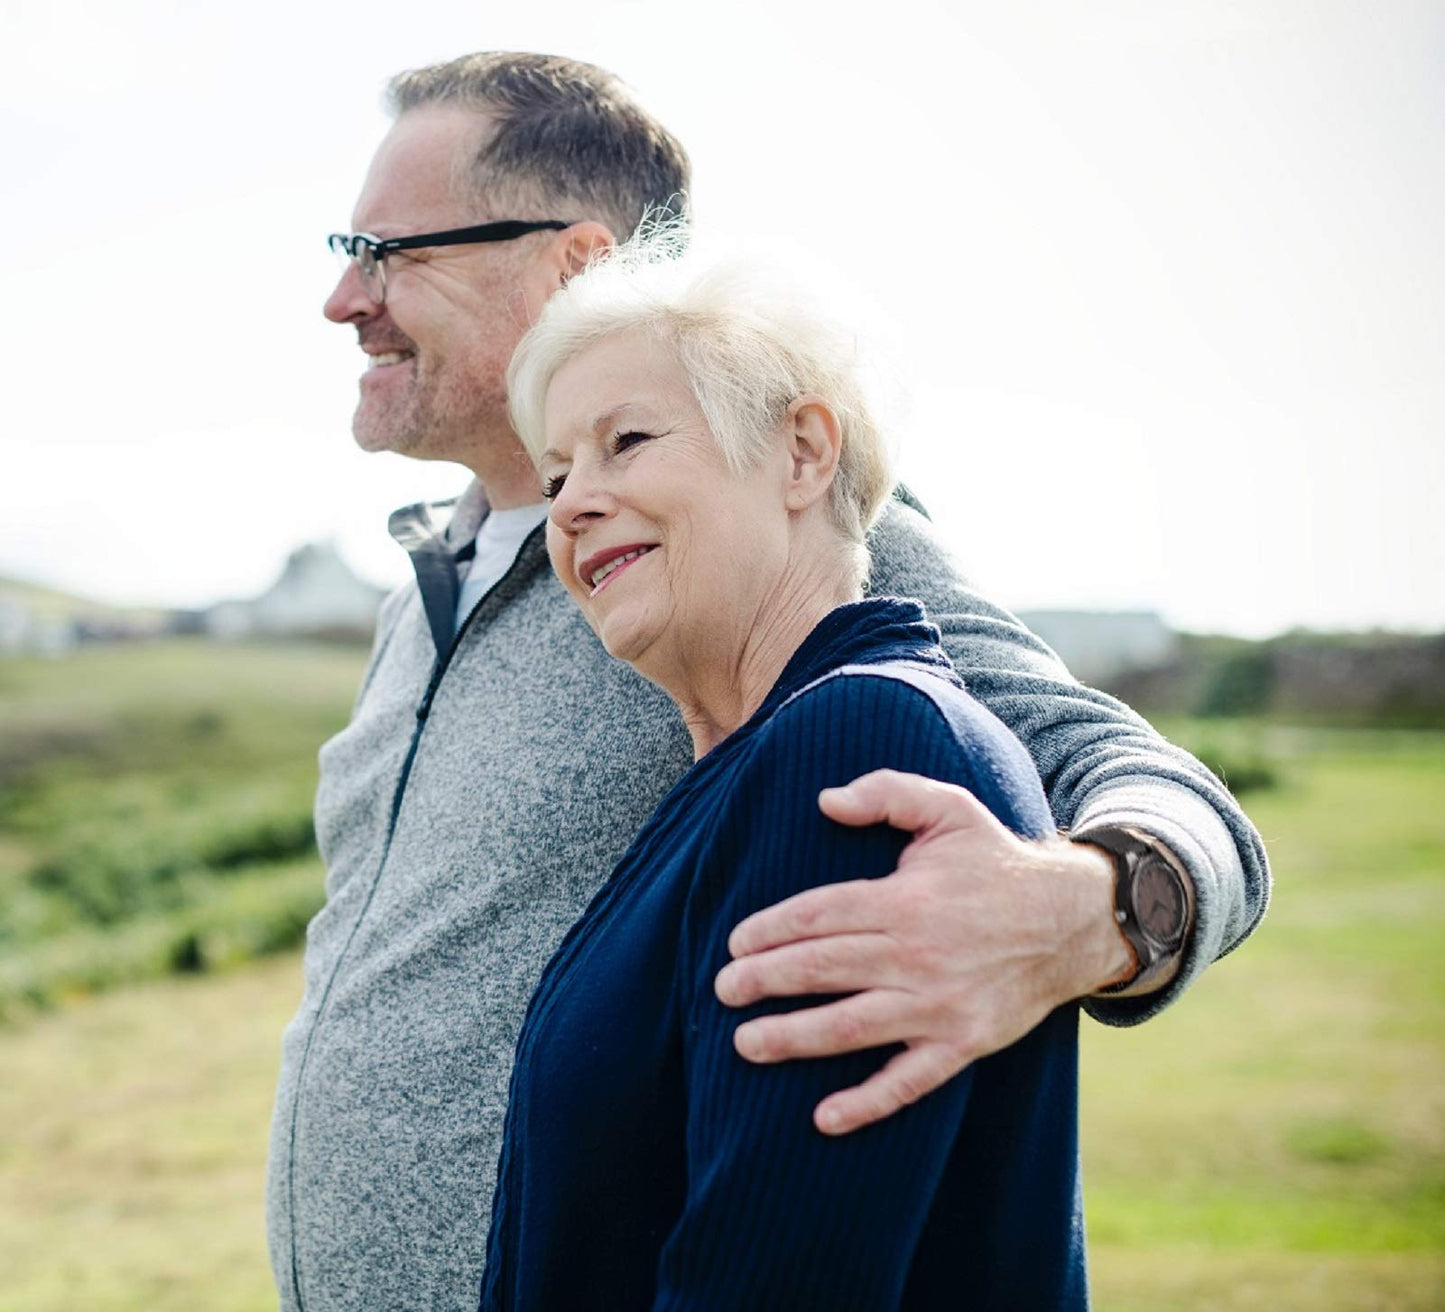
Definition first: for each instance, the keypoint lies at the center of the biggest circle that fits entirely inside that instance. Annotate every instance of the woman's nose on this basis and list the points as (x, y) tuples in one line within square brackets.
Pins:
[(581, 501)]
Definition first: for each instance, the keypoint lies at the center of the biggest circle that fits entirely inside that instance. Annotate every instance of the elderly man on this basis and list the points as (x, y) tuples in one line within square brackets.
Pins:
[(497, 763)]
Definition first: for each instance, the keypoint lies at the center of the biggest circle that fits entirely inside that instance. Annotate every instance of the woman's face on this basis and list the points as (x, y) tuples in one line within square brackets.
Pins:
[(669, 553)]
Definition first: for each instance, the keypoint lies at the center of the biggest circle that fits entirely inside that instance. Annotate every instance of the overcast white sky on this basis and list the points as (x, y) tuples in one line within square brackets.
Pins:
[(1168, 277)]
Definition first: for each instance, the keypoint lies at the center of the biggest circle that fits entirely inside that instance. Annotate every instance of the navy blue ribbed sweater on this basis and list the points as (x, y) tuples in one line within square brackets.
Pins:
[(645, 1164)]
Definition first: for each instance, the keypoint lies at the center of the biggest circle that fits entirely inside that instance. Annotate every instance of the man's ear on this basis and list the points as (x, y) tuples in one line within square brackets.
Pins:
[(579, 244), (814, 440)]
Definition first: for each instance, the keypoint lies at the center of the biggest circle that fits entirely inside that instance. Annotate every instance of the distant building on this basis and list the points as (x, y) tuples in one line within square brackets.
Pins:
[(317, 595), (1098, 646)]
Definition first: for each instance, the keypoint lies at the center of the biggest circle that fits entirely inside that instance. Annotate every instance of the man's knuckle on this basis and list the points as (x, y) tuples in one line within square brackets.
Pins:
[(930, 961), (909, 1087), (802, 917), (826, 953), (912, 905), (847, 1028), (811, 965), (938, 1014)]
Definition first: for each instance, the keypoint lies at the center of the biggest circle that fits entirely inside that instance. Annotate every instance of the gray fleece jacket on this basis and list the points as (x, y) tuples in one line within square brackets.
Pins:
[(473, 806)]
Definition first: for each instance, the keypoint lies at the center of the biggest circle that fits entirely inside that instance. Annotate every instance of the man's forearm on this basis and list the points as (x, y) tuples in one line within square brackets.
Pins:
[(1101, 764)]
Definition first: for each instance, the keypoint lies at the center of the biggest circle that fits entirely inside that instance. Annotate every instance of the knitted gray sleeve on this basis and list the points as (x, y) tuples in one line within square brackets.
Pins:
[(1100, 762)]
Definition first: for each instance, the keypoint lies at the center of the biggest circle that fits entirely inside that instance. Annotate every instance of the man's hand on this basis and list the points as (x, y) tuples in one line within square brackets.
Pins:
[(973, 940)]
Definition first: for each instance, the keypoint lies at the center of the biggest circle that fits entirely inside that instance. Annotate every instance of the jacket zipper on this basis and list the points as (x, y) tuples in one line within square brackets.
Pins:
[(423, 711)]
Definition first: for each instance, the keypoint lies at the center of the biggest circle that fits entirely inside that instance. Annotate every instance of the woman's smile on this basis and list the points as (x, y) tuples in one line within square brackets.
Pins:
[(600, 568)]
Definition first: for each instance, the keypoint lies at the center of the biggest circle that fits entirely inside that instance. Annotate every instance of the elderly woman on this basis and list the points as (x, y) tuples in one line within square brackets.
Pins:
[(713, 469)]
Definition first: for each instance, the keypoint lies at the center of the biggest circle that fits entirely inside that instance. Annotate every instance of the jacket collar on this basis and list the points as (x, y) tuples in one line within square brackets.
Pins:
[(432, 533)]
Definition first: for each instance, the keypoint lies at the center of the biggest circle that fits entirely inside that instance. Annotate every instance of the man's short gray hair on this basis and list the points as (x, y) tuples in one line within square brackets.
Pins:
[(747, 338), (569, 139)]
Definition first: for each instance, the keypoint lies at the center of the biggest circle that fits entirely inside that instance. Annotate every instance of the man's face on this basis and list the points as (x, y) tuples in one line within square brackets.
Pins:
[(437, 351)]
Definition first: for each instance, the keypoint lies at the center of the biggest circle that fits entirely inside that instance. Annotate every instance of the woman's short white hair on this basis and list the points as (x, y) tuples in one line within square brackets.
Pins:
[(749, 341)]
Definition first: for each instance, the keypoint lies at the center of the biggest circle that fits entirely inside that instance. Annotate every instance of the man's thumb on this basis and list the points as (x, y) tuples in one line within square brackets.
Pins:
[(905, 801)]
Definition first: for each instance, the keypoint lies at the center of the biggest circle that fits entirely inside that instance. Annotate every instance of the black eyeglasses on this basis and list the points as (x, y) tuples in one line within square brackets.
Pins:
[(369, 253)]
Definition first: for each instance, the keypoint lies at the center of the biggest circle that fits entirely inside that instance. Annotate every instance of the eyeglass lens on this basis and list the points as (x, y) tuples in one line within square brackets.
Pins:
[(373, 276)]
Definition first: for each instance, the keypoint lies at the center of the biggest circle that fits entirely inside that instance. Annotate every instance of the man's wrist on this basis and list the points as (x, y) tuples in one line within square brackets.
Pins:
[(1153, 906), (1098, 955)]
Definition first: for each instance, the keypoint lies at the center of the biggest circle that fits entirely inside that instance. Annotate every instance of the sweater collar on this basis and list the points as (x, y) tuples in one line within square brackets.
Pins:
[(433, 535), (866, 632)]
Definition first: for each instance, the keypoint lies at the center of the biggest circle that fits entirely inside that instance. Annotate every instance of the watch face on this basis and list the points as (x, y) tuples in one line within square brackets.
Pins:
[(1158, 901)]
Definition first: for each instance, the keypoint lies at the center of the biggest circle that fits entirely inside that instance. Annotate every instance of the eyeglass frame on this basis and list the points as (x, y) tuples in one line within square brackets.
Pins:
[(348, 244)]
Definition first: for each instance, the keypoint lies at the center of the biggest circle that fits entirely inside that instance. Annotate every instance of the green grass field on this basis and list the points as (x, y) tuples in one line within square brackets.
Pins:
[(1278, 1140), (155, 809), (1275, 1141)]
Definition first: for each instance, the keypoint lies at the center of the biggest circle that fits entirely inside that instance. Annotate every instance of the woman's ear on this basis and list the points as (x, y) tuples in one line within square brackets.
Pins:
[(814, 443)]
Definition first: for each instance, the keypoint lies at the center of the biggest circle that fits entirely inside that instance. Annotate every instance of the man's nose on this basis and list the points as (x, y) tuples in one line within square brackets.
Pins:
[(348, 302)]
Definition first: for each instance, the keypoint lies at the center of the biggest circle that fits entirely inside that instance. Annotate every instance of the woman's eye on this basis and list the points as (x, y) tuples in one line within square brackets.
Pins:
[(622, 441), (552, 488)]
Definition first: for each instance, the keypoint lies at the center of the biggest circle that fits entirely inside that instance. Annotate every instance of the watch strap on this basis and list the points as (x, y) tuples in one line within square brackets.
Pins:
[(1131, 849)]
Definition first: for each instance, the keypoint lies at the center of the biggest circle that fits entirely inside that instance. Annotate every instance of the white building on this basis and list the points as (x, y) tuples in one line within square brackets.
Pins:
[(1098, 645), (317, 594)]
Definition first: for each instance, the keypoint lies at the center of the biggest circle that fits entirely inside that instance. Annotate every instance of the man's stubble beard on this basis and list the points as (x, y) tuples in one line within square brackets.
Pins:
[(430, 421)]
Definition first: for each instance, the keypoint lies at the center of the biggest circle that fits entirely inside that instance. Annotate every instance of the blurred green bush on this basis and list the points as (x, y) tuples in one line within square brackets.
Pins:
[(155, 809)]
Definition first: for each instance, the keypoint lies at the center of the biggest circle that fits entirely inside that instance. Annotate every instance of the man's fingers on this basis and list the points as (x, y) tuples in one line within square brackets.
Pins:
[(839, 963), (905, 1079), (866, 1020), (905, 801), (829, 909)]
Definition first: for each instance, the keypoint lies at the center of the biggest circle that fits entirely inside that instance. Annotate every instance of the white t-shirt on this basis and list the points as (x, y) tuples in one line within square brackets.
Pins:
[(498, 541)]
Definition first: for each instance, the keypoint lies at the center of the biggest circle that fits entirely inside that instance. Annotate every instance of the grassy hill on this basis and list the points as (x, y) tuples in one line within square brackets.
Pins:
[(52, 603)]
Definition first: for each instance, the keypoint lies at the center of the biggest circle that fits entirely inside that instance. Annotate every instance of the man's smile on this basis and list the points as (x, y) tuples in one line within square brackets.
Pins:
[(385, 362)]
